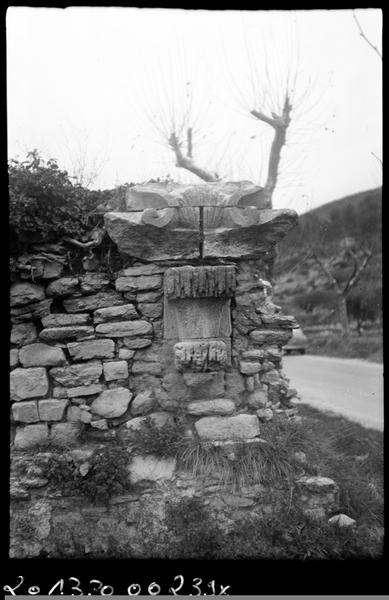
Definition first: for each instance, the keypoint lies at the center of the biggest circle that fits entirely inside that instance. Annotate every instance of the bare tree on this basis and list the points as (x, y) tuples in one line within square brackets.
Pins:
[(363, 36), (357, 259), (280, 124), (186, 160)]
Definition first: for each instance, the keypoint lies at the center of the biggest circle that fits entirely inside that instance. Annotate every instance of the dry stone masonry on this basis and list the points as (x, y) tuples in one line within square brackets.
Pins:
[(187, 327)]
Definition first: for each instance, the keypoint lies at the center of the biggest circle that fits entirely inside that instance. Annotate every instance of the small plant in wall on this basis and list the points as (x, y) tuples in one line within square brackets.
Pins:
[(99, 478), (164, 441)]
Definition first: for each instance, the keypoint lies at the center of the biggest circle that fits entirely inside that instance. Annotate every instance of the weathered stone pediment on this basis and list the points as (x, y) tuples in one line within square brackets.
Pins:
[(185, 222)]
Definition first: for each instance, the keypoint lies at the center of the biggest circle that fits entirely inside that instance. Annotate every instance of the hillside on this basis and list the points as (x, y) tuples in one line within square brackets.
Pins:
[(300, 285)]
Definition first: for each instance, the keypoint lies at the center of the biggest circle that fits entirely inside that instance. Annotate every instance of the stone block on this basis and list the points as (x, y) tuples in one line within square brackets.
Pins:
[(74, 332), (273, 353), (13, 358), (65, 434), (149, 296), (23, 333), (152, 368), (250, 384), (91, 349), (22, 293), (317, 484), (28, 383), (147, 242), (202, 385), (249, 367), (140, 283), (150, 354), (115, 313), (40, 267), (272, 377), (31, 435), (264, 414), (200, 318), (115, 370), (51, 410), (62, 287), (59, 392), (175, 388), (234, 383), (211, 407), (343, 521), (100, 424), (77, 375), (146, 269), (151, 468), (41, 355), (30, 312), (65, 320), (253, 354), (124, 329), (200, 355), (200, 282), (126, 354), (93, 302), (25, 412), (257, 399), (135, 343), (93, 282), (239, 427), (112, 403), (142, 403), (150, 310), (73, 414), (84, 390), (271, 337)]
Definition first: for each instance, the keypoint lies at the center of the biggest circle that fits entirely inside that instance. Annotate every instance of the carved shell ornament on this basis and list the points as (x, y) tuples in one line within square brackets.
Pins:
[(217, 220), (222, 204)]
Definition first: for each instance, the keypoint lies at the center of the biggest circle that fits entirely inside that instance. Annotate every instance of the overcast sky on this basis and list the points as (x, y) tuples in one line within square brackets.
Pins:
[(101, 87)]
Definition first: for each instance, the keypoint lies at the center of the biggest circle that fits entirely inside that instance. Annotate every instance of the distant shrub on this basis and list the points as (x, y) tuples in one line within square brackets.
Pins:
[(44, 202)]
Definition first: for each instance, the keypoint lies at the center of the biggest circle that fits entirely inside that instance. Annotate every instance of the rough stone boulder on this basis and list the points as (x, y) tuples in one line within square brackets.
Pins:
[(151, 468), (41, 355), (23, 293), (28, 383), (62, 287), (112, 403), (91, 349), (239, 427), (73, 375), (124, 329)]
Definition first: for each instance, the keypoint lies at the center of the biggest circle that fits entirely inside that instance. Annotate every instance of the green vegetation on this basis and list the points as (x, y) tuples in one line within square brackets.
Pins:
[(245, 465), (367, 346), (45, 204), (105, 473), (340, 235), (162, 441)]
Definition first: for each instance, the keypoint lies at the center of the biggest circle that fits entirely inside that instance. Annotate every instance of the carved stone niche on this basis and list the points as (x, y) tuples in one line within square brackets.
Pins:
[(197, 316)]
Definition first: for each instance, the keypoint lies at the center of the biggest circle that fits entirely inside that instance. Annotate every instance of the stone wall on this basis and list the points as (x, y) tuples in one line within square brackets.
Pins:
[(88, 352), (187, 345)]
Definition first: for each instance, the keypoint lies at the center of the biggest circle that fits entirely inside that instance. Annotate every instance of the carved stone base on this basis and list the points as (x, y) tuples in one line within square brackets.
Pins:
[(199, 356)]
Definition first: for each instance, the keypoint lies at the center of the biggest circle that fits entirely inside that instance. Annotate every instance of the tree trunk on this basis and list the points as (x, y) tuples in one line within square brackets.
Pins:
[(343, 316)]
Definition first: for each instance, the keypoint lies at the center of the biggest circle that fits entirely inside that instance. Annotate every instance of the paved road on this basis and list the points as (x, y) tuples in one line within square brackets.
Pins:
[(347, 386)]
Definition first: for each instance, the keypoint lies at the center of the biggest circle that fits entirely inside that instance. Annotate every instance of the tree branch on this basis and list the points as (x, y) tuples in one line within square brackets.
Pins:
[(358, 270), (326, 271), (186, 162), (280, 124), (362, 34)]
